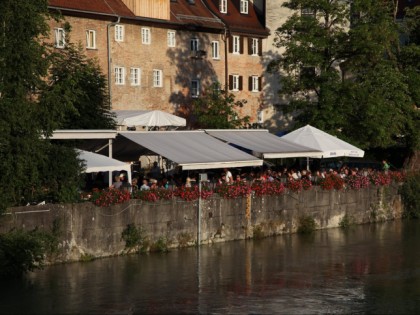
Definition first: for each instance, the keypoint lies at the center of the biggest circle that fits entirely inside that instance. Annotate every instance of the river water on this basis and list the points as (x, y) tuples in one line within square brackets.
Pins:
[(371, 269)]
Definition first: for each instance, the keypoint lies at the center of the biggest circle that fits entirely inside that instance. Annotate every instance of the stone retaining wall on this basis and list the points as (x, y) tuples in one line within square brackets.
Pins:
[(96, 232)]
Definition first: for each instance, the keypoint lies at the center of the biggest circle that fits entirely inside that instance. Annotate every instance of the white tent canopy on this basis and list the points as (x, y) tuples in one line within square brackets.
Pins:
[(189, 149), (329, 145), (148, 118), (99, 163), (263, 144)]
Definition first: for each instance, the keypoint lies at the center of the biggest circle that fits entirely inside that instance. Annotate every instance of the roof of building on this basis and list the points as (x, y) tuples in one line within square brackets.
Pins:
[(113, 7), (251, 23), (194, 13)]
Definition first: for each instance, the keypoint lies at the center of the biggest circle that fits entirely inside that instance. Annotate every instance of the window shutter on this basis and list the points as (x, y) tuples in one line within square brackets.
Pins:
[(249, 46), (259, 83), (230, 82), (260, 47), (240, 83), (250, 83), (241, 45), (230, 44)]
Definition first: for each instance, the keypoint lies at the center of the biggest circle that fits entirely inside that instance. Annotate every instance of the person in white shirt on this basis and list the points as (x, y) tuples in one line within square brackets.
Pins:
[(228, 176)]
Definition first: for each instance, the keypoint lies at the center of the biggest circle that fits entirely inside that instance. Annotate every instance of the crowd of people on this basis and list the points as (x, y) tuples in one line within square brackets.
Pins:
[(155, 178)]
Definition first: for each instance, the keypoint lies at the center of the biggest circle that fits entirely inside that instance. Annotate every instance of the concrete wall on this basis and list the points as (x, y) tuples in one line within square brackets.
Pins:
[(90, 230)]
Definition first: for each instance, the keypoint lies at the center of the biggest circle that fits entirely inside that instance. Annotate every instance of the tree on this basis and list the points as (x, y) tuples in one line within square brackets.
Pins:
[(342, 71), (78, 84), (216, 109)]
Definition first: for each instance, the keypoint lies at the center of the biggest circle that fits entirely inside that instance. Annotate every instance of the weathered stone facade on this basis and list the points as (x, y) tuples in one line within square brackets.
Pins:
[(94, 231)]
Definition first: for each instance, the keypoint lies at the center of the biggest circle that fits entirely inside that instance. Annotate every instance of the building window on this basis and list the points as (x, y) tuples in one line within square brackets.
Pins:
[(145, 36), (235, 82), (135, 76), (91, 39), (195, 88), (60, 38), (223, 6), (119, 75), (254, 47), (171, 39), (236, 46), (254, 83), (119, 33), (244, 6), (194, 44), (215, 50), (157, 78)]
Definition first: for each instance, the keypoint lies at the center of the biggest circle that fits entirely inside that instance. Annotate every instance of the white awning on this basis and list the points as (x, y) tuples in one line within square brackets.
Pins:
[(148, 118), (189, 149), (328, 145), (262, 143), (99, 163)]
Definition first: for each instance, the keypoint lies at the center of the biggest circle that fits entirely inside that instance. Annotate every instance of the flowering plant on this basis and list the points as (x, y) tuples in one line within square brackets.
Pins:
[(267, 188), (237, 189), (306, 184), (153, 195), (110, 196), (332, 182), (357, 182), (380, 179), (294, 185), (397, 177)]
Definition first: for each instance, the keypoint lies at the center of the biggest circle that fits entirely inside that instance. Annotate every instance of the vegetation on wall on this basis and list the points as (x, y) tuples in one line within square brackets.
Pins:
[(410, 193)]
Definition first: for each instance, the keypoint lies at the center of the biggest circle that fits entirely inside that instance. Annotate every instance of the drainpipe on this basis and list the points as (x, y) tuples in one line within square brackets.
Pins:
[(225, 39), (108, 27)]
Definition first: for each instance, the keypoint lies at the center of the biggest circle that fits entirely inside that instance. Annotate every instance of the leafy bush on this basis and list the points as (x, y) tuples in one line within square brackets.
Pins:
[(294, 185), (153, 195), (307, 225), (133, 237), (410, 193), (357, 182), (235, 190), (331, 182), (268, 188), (22, 251)]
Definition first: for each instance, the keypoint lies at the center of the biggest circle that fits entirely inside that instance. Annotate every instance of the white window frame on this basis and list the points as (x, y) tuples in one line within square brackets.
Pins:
[(146, 36), (157, 78), (119, 73), (119, 33), (223, 6), (195, 44), (215, 49), (90, 39), (255, 46), (236, 43), (244, 6), (60, 37), (171, 39), (255, 83), (195, 88), (235, 82), (135, 76)]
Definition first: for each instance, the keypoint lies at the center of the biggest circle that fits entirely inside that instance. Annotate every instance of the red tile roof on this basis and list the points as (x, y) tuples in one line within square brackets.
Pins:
[(114, 7), (250, 23)]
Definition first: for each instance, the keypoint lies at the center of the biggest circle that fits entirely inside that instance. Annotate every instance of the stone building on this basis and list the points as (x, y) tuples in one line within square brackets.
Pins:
[(161, 54)]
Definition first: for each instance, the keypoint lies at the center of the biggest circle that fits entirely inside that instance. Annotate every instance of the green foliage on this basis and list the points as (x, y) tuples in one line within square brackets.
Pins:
[(410, 193), (306, 225), (218, 109), (22, 251), (161, 245), (133, 236), (350, 82), (346, 222), (258, 232)]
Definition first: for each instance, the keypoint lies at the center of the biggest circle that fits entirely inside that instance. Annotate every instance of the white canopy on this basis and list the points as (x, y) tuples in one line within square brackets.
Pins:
[(329, 145), (262, 143), (189, 149), (100, 163), (148, 118)]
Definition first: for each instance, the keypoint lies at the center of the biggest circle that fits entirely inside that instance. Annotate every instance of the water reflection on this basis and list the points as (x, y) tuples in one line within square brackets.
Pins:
[(368, 269)]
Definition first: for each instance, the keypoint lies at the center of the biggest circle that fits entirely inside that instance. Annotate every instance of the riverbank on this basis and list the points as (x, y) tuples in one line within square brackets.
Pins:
[(88, 231)]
